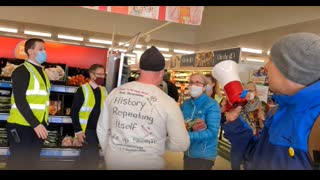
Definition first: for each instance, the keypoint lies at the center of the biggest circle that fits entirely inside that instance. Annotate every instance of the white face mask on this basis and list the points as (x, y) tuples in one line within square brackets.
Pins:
[(251, 96), (195, 91)]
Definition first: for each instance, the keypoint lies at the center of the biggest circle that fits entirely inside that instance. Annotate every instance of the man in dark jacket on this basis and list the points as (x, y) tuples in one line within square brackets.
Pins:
[(172, 88)]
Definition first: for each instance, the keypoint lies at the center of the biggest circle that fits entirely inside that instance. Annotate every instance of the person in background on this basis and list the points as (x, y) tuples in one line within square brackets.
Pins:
[(291, 131), (211, 89), (139, 121), (202, 118), (85, 111), (28, 119), (172, 88), (254, 112)]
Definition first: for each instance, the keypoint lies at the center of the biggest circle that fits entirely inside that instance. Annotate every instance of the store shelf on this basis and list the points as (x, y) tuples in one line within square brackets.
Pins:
[(50, 152), (52, 119), (54, 88)]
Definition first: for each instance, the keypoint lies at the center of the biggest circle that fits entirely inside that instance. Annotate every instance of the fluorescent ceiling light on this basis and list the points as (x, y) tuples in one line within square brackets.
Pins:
[(121, 50), (127, 45), (5, 29), (130, 55), (97, 46), (182, 51), (36, 33), (255, 60), (268, 52), (256, 51), (167, 55), (137, 52), (100, 41), (75, 38), (160, 48)]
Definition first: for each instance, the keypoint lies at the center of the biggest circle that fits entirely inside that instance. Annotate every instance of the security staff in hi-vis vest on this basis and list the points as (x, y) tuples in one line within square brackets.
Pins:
[(85, 111), (26, 125)]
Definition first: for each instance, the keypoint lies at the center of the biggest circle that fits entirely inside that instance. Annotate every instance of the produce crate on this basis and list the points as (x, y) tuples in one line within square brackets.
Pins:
[(77, 76), (7, 66)]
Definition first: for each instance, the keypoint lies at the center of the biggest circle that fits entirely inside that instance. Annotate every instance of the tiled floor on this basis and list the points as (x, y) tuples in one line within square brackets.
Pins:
[(175, 162)]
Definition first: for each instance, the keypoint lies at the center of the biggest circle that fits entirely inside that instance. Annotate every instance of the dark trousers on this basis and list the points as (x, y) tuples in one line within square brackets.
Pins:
[(89, 154), (197, 163), (24, 155)]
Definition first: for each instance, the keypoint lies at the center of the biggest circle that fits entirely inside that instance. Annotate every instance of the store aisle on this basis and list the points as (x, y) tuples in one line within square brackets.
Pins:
[(175, 162)]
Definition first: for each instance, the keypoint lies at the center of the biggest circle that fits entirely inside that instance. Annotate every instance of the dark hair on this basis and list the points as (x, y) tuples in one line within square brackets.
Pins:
[(213, 80), (30, 43), (94, 67)]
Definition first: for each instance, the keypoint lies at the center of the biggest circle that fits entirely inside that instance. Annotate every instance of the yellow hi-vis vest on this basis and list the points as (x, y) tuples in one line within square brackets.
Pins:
[(88, 104), (37, 96)]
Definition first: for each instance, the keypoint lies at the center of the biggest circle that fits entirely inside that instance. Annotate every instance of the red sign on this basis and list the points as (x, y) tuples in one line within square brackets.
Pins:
[(72, 55)]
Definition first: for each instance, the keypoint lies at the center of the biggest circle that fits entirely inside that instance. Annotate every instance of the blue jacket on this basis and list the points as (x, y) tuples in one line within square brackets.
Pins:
[(203, 144), (288, 128)]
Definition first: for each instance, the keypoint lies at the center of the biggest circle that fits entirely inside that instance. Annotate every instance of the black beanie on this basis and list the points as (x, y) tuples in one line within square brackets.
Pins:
[(152, 60)]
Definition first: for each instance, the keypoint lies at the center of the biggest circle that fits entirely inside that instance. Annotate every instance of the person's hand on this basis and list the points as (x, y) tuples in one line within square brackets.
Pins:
[(233, 114), (41, 131), (80, 135), (199, 125)]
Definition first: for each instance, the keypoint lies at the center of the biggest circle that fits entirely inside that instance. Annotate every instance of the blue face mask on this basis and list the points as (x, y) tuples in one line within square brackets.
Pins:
[(41, 57)]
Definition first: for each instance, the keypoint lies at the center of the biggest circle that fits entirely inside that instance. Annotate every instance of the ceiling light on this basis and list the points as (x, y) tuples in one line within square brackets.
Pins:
[(255, 60), (138, 46), (75, 38), (256, 51), (5, 29), (167, 55), (100, 41), (36, 33), (160, 48), (121, 50), (268, 52), (182, 51), (127, 45), (130, 55)]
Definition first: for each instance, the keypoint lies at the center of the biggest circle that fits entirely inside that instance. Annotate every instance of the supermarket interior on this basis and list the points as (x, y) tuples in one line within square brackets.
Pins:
[(192, 39)]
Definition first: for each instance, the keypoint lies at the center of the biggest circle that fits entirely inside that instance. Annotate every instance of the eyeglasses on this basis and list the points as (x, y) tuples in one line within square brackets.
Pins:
[(198, 83), (100, 74)]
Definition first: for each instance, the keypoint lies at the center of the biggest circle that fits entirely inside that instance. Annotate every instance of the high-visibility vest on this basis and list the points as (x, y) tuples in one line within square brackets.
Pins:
[(37, 96), (88, 104)]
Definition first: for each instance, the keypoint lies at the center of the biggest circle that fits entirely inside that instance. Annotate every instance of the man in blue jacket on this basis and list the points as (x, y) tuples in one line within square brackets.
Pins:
[(294, 74)]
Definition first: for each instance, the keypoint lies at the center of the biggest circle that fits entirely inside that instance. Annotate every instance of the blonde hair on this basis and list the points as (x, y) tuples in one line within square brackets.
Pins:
[(203, 77)]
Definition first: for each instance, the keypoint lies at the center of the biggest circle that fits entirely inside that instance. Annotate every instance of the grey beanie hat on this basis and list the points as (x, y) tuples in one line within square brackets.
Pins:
[(297, 56)]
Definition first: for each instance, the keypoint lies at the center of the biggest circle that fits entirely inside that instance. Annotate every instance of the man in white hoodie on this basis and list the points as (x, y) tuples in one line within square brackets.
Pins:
[(139, 121)]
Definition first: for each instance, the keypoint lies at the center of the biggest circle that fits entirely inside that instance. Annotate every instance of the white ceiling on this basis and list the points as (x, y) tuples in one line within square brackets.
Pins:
[(219, 22)]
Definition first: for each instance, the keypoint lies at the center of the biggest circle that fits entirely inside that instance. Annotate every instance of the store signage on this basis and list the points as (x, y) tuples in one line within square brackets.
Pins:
[(72, 55), (226, 54), (191, 15), (187, 60)]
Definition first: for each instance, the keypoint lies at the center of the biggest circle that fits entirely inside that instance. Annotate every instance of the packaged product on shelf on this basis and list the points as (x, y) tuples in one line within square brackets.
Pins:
[(5, 104), (52, 140), (69, 141), (3, 137), (57, 73), (54, 107), (7, 66)]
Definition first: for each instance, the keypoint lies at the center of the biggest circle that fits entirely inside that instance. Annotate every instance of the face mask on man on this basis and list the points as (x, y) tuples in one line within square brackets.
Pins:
[(41, 57), (100, 81), (195, 91)]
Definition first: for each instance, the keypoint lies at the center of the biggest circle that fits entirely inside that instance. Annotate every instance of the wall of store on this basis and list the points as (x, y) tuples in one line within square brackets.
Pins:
[(72, 55)]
